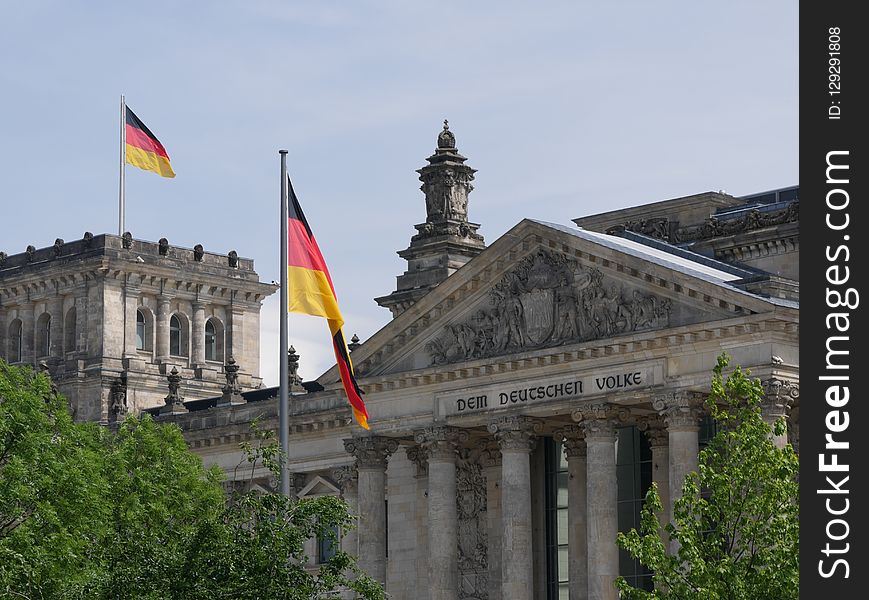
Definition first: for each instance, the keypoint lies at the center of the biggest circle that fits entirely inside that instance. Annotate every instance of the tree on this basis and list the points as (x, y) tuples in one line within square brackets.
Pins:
[(736, 525), (133, 514)]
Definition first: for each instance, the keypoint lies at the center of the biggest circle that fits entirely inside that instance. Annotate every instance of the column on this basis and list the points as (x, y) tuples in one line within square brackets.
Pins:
[(516, 439), (681, 412), (371, 455), (4, 333), (198, 341), (655, 431), (131, 305), (55, 332), (573, 438), (28, 333), (598, 424), (162, 328), (775, 406), (235, 337), (440, 444)]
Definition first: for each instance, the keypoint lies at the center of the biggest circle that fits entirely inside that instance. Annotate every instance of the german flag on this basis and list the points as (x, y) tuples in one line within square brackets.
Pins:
[(310, 291), (143, 149)]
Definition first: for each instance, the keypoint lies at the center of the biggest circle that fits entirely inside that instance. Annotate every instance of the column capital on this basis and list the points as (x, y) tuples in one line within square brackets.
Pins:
[(441, 442), (572, 437), (779, 396), (345, 476), (419, 457), (371, 452), (598, 420), (680, 410), (655, 430), (490, 453), (516, 432)]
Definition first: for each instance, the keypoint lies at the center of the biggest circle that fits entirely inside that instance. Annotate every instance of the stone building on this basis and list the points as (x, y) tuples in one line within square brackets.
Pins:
[(109, 317), (525, 394)]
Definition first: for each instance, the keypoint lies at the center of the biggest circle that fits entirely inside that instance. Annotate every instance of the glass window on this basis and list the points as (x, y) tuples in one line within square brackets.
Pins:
[(327, 546), (69, 331), (140, 330), (210, 341), (175, 336), (634, 478)]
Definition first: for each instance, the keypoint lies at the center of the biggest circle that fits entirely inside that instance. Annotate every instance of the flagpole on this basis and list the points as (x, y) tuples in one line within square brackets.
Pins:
[(284, 401), (122, 166)]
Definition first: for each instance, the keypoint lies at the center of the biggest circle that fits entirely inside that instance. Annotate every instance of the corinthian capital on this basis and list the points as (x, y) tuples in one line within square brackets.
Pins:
[(516, 432), (779, 396), (371, 452), (345, 476), (573, 439), (598, 419), (681, 410), (440, 442)]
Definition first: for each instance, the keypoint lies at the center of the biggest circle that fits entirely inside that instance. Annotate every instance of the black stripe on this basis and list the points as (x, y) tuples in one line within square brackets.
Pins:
[(295, 210), (338, 340), (136, 122)]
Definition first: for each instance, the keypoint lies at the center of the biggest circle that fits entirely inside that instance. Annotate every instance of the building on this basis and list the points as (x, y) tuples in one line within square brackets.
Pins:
[(526, 393), (110, 317)]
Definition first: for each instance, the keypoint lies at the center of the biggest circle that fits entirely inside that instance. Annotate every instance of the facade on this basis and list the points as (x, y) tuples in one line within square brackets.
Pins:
[(525, 394), (110, 317)]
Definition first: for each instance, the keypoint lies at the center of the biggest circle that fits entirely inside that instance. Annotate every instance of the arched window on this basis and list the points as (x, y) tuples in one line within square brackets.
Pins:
[(15, 339), (140, 330), (213, 340), (69, 331), (43, 335), (178, 336)]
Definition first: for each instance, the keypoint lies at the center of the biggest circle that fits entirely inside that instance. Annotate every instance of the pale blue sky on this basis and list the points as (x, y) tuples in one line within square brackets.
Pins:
[(565, 108)]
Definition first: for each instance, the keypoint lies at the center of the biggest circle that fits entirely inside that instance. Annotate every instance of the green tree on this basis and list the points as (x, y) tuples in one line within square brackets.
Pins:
[(93, 514), (739, 538)]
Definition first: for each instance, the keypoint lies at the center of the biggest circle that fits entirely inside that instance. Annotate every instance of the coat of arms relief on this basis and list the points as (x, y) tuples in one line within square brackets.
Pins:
[(548, 300)]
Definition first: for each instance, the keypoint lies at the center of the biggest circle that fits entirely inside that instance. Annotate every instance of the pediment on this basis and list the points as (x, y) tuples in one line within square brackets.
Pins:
[(540, 287), (319, 486)]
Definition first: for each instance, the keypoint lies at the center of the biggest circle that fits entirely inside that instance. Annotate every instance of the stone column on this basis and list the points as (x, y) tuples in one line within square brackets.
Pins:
[(573, 438), (235, 336), (371, 455), (162, 328), (4, 334), (198, 341), (131, 304), (55, 309), (681, 413), (656, 432), (28, 333), (776, 404), (598, 424), (440, 444), (516, 439)]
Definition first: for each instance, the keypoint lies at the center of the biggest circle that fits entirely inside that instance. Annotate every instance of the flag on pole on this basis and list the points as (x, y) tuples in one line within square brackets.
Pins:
[(310, 291), (143, 149)]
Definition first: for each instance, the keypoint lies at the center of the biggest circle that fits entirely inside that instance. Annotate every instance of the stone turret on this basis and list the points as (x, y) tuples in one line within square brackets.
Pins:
[(447, 240)]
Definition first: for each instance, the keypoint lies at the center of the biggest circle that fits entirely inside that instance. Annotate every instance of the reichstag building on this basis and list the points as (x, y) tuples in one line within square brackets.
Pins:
[(523, 397)]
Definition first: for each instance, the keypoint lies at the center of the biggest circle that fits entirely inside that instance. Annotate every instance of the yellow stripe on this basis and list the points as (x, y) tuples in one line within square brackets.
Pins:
[(149, 161), (308, 292)]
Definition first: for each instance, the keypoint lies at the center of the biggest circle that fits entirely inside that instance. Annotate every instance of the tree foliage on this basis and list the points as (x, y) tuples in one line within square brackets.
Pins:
[(90, 513), (739, 538)]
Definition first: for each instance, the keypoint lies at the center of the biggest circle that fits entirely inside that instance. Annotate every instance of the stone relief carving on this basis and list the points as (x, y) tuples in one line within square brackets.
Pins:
[(118, 399), (163, 246), (198, 252), (472, 532), (127, 240), (548, 300), (58, 245)]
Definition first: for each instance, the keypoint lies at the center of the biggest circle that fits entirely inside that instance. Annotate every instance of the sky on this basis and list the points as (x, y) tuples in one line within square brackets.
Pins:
[(566, 109)]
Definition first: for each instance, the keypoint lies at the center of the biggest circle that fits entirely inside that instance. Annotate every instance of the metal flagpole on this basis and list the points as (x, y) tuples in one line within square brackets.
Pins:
[(284, 401), (123, 166)]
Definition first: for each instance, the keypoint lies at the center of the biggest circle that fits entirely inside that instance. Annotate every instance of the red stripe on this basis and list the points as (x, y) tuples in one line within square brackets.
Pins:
[(302, 251), (140, 139)]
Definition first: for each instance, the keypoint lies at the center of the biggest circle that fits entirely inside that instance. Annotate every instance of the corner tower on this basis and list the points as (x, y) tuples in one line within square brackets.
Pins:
[(447, 240)]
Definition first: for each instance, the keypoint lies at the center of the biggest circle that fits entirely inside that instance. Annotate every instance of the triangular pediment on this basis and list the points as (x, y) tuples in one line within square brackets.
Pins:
[(544, 286), (319, 486)]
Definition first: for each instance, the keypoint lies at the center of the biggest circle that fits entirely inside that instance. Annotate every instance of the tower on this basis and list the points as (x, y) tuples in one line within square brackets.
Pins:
[(446, 240)]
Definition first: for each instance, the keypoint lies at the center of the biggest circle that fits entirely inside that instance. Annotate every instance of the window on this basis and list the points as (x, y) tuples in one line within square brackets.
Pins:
[(634, 477), (555, 500), (327, 546), (210, 341), (15, 338), (140, 330), (177, 339), (43, 335), (69, 331)]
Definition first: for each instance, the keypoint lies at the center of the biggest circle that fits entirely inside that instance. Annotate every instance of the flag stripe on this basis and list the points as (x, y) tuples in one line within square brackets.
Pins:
[(139, 139), (310, 291), (149, 161)]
